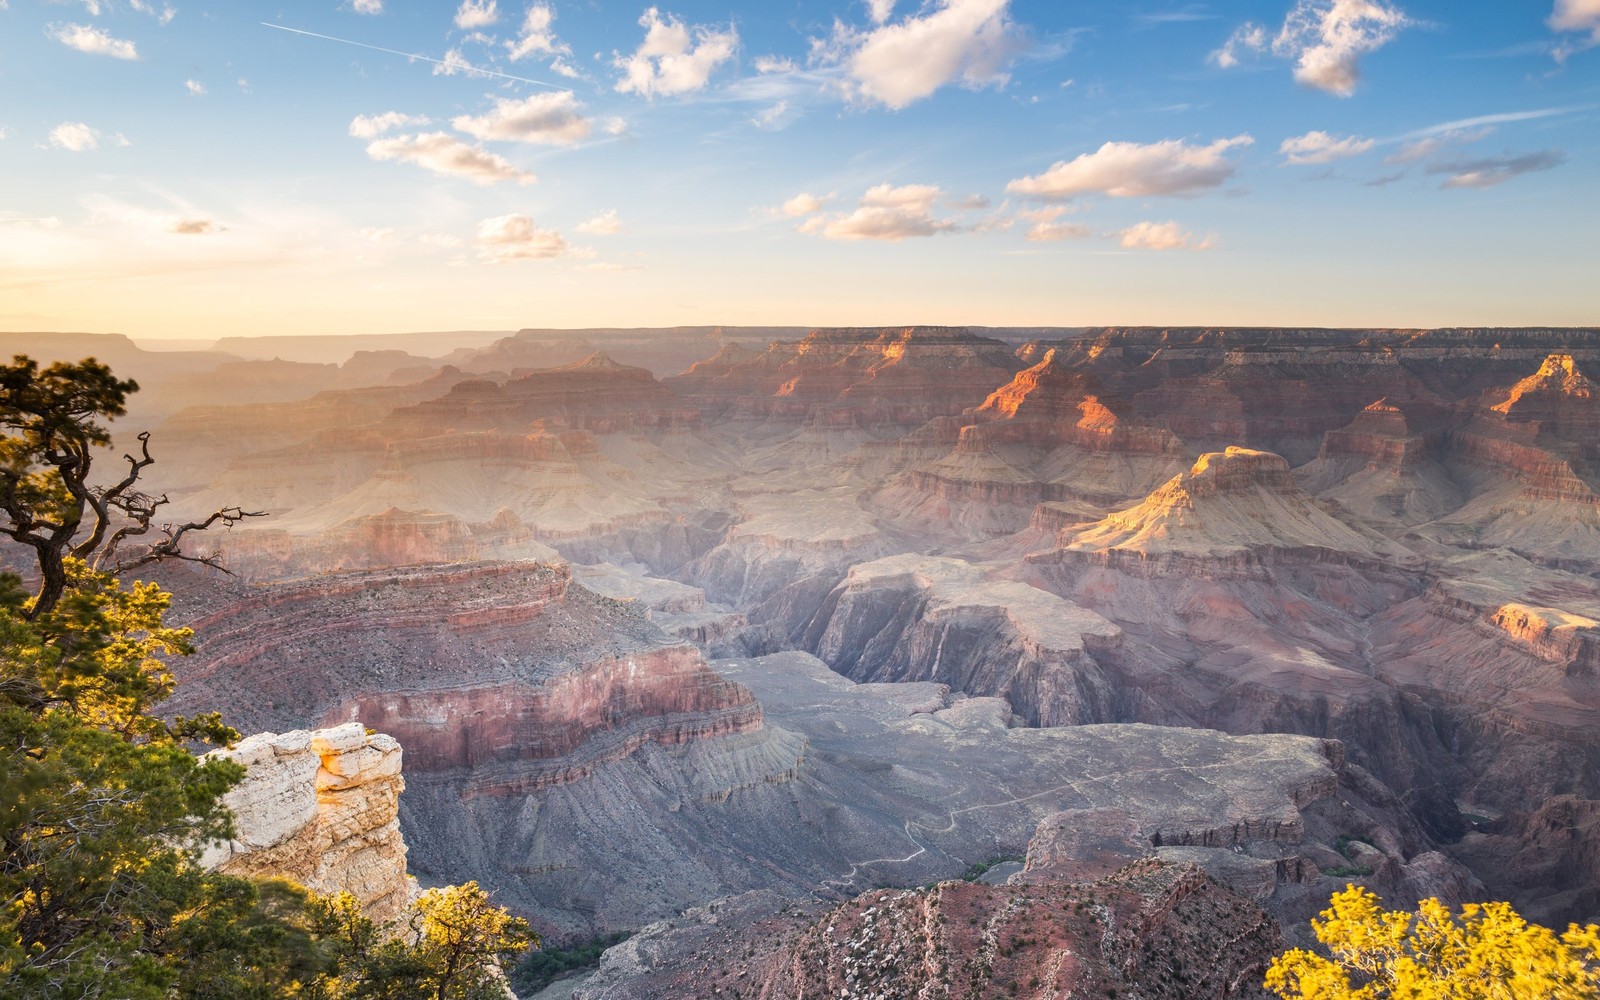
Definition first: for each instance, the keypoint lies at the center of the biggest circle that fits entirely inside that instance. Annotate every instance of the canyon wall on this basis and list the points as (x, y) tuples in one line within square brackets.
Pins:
[(321, 809)]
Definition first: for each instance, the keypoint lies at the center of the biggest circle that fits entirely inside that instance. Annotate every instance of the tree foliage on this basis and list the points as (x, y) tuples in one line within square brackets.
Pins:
[(1484, 952), (457, 943), (103, 806), (48, 496)]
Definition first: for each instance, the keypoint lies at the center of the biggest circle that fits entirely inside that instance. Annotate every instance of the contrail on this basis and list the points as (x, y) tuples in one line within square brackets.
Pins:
[(413, 55)]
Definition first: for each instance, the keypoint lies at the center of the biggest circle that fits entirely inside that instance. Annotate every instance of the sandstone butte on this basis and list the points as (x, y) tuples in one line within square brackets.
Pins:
[(716, 653)]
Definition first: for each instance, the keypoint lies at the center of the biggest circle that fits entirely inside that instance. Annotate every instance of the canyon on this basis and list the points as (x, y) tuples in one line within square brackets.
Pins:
[(753, 641)]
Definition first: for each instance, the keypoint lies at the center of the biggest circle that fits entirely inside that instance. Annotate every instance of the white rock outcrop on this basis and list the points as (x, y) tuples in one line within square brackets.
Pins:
[(323, 809)]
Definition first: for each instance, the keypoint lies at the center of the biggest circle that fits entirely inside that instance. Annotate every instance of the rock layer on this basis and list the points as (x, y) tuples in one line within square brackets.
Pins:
[(321, 809), (912, 618)]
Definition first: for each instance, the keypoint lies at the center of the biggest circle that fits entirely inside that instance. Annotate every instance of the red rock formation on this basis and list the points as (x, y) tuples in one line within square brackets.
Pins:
[(1386, 437), (505, 666), (1233, 511), (518, 738), (858, 377), (1559, 397), (1544, 432), (596, 394), (1149, 930)]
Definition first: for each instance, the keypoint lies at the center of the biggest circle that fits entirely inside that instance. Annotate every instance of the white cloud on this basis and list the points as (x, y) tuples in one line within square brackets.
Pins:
[(772, 117), (476, 14), (1577, 15), (886, 213), (553, 118), (804, 204), (515, 237), (367, 6), (452, 63), (1133, 170), (5, 133), (970, 41), (1163, 236), (879, 10), (86, 38), (774, 64), (121, 140), (535, 35), (1249, 36), (195, 88), (1430, 143), (1494, 170), (1325, 38), (444, 154), (164, 15), (604, 224), (1320, 147), (1047, 228), (75, 136), (615, 125), (671, 59), (372, 126), (1050, 232), (186, 221)]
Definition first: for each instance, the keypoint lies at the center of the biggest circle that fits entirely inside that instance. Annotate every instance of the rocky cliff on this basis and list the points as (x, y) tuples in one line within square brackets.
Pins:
[(914, 618), (320, 808), (845, 378), (1151, 930)]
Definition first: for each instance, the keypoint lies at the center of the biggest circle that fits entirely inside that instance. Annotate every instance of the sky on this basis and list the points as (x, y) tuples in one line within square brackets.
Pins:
[(191, 170)]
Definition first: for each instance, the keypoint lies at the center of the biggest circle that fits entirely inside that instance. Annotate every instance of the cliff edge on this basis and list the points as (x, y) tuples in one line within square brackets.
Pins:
[(323, 809)]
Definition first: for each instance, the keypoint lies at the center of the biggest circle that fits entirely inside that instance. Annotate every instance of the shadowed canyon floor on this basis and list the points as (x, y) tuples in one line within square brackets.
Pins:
[(797, 618)]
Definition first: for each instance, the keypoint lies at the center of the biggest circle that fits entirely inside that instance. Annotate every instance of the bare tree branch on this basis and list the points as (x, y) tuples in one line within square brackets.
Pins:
[(169, 547)]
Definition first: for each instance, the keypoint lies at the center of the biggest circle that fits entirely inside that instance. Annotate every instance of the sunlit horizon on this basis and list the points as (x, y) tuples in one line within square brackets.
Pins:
[(194, 172)]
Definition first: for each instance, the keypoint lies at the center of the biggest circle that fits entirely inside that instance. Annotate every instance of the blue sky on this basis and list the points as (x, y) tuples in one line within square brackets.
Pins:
[(187, 170)]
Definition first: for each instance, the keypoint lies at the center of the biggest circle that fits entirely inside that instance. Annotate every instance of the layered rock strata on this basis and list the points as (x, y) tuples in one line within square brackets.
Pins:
[(323, 810), (914, 618)]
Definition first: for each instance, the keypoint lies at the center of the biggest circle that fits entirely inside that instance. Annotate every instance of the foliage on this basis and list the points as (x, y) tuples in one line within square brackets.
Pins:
[(457, 945), (100, 802), (979, 869), (1486, 952), (545, 966), (49, 500), (103, 807)]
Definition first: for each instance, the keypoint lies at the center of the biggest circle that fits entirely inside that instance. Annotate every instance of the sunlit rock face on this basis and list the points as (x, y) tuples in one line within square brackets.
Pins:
[(1049, 434), (849, 378), (322, 809), (1231, 514)]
